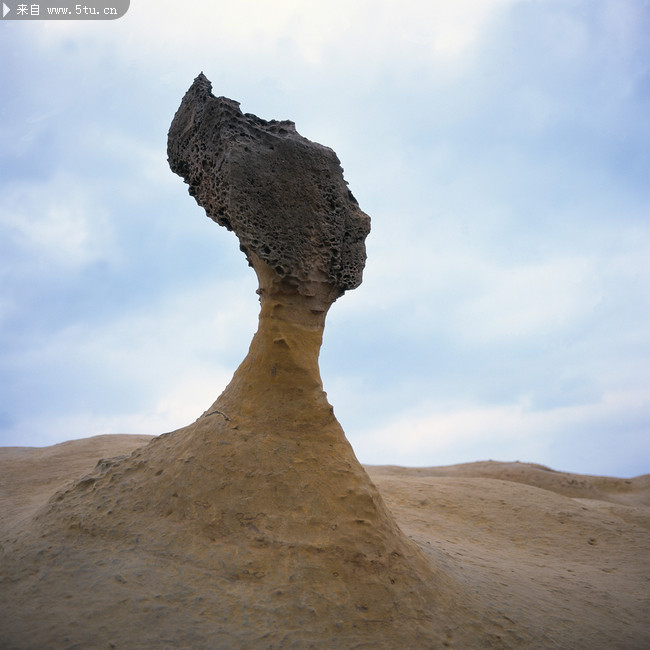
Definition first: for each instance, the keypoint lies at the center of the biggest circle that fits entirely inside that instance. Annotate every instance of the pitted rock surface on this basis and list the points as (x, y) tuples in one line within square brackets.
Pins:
[(284, 196), (254, 526)]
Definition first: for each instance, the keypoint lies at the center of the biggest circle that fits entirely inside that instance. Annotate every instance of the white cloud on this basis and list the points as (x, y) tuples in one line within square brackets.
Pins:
[(528, 301), (151, 370), (369, 29), (455, 26), (465, 432), (143, 166), (421, 277), (57, 222)]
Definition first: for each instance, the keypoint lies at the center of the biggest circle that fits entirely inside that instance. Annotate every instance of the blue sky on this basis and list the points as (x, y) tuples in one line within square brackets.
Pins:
[(501, 148)]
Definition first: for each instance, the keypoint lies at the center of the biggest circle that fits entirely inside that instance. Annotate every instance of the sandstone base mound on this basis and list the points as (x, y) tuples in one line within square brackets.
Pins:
[(220, 535), (510, 554)]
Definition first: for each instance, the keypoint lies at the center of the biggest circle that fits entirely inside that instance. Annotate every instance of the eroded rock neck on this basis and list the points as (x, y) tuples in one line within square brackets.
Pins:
[(300, 228), (280, 378)]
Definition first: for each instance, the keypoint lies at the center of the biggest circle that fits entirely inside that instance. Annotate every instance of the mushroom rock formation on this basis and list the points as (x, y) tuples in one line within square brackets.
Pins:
[(300, 228), (284, 196), (255, 526)]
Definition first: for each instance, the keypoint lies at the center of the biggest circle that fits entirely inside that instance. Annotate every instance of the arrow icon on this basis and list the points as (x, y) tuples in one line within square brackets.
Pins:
[(5, 10)]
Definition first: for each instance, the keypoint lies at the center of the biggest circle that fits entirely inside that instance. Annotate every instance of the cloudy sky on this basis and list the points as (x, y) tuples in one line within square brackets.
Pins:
[(501, 148)]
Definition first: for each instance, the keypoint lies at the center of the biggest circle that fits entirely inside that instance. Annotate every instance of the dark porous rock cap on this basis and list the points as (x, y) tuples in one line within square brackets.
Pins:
[(284, 196)]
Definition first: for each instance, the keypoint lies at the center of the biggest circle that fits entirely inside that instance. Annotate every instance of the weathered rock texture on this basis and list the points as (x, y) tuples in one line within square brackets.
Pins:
[(255, 526), (283, 195), (554, 560)]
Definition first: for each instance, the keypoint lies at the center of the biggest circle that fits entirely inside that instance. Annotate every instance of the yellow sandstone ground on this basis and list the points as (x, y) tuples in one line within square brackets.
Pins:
[(550, 559)]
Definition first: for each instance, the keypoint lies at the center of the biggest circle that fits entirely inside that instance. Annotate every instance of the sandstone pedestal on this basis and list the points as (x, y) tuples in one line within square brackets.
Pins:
[(255, 526)]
